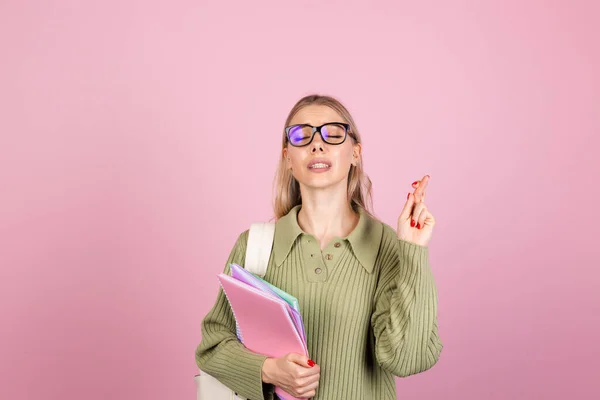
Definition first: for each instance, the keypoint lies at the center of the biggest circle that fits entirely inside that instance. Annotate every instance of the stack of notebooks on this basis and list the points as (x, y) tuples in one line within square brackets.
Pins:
[(268, 320)]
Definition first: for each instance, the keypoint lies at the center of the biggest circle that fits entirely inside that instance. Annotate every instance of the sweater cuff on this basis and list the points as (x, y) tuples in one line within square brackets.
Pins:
[(407, 243), (413, 253), (245, 369)]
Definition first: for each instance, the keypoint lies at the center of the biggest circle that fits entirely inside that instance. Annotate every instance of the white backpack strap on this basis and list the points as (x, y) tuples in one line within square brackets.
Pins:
[(258, 249)]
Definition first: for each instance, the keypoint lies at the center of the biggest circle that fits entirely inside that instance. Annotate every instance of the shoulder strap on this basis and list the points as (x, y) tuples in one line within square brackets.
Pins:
[(258, 249)]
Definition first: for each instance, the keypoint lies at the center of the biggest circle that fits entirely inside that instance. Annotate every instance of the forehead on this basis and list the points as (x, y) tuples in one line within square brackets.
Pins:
[(316, 115)]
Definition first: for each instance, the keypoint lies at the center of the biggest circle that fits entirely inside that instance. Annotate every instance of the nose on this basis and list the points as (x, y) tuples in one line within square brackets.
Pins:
[(317, 143)]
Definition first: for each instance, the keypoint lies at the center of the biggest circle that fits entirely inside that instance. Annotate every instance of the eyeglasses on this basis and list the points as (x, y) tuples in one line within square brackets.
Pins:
[(303, 134)]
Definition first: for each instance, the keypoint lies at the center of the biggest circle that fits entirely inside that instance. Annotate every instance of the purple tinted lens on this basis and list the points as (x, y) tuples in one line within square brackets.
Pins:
[(333, 133), (297, 135)]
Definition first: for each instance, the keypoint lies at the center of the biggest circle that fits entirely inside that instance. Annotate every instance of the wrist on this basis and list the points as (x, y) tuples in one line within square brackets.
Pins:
[(267, 370)]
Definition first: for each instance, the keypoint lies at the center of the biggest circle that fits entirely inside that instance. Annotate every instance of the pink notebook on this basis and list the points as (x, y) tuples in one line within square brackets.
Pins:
[(265, 322)]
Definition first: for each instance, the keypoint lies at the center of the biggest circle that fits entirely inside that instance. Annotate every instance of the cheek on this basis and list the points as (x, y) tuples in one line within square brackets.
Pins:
[(345, 156), (296, 158)]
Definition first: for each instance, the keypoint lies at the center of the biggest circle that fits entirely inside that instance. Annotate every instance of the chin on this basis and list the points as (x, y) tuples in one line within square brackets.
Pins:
[(321, 182)]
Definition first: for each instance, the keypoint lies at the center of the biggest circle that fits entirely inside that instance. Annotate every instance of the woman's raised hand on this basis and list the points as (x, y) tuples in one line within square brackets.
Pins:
[(415, 223)]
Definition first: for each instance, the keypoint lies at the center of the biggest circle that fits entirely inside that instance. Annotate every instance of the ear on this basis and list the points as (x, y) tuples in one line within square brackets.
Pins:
[(286, 157), (356, 152)]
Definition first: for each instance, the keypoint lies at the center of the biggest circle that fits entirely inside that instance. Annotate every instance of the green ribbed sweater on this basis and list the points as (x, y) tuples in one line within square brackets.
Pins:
[(369, 305)]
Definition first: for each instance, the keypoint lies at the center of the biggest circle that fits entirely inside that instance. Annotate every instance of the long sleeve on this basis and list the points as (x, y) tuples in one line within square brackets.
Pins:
[(220, 354), (404, 319)]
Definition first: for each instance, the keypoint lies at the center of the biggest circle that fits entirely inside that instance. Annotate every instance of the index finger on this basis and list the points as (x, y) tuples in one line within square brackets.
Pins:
[(420, 191), (306, 372)]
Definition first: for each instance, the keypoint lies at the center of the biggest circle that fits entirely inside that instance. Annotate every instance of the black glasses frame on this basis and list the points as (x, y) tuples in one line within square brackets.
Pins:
[(316, 129)]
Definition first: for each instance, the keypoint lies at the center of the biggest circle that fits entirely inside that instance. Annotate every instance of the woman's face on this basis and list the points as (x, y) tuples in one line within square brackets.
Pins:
[(319, 164)]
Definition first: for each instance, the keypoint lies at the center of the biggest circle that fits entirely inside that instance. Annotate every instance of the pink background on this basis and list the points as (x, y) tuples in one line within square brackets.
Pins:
[(139, 138)]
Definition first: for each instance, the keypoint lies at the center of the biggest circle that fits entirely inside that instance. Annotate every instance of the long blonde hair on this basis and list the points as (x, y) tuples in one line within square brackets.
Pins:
[(287, 188)]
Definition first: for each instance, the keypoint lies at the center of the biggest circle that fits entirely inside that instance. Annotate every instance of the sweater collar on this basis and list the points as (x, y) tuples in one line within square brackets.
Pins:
[(364, 239)]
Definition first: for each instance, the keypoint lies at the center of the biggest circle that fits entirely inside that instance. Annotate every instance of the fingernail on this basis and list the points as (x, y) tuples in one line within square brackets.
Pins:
[(418, 226), (412, 222), (311, 363), (415, 182), (407, 197)]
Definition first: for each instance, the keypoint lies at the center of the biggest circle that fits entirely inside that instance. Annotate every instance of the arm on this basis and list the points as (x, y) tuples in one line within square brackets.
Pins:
[(220, 354), (404, 320)]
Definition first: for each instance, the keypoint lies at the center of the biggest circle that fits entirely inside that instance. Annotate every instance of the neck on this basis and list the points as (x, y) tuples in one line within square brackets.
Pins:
[(326, 212)]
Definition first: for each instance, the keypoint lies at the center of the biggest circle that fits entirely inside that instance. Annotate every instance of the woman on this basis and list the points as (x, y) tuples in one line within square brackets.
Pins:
[(365, 290)]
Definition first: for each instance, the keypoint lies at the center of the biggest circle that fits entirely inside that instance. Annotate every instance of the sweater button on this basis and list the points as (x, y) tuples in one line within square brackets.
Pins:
[(329, 256), (337, 244), (318, 270)]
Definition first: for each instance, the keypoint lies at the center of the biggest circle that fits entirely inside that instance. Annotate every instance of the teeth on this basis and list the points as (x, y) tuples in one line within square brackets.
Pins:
[(320, 166)]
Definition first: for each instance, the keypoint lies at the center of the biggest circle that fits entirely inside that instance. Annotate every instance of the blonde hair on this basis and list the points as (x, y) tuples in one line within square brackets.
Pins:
[(287, 188)]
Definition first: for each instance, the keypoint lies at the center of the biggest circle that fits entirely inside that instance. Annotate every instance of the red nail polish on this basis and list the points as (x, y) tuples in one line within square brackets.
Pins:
[(407, 197), (415, 182), (412, 222), (311, 363), (418, 226)]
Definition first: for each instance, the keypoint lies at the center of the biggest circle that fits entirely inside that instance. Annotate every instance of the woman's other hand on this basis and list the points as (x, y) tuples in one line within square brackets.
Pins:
[(294, 373)]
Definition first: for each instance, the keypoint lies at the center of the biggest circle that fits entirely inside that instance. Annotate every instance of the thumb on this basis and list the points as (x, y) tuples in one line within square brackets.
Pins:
[(301, 360)]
